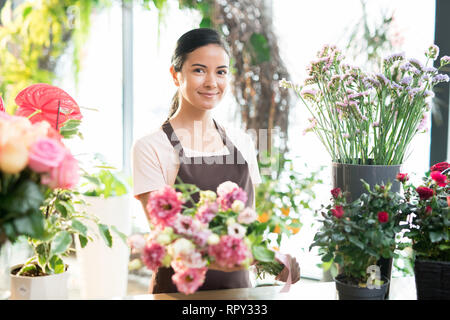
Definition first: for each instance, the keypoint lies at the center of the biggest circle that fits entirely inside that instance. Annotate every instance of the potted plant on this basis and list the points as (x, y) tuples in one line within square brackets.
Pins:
[(106, 195), (354, 236), (37, 173), (366, 122), (429, 230)]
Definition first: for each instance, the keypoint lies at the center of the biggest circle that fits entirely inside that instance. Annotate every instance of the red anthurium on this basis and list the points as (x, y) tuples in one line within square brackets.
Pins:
[(2, 107), (439, 178), (41, 101), (428, 210)]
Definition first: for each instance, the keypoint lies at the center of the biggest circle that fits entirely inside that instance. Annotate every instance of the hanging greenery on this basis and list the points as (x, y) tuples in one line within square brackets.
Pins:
[(34, 35)]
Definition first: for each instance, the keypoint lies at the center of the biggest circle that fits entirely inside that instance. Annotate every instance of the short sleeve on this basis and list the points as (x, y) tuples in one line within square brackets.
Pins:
[(147, 172)]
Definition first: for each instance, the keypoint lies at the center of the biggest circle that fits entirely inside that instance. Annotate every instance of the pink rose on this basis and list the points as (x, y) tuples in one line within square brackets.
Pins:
[(65, 176), (45, 154)]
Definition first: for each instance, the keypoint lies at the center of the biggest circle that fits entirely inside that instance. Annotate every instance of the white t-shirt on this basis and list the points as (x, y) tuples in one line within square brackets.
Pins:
[(155, 162)]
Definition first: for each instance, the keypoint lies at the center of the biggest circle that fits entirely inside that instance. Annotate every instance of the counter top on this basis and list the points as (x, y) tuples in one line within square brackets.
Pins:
[(400, 289)]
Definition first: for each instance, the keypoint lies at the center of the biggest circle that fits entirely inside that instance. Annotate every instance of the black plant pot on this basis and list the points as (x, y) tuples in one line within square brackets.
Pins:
[(432, 279), (348, 177), (352, 292)]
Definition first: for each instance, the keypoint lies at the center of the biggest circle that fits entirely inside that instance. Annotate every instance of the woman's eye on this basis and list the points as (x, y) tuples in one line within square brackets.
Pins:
[(222, 72), (198, 70)]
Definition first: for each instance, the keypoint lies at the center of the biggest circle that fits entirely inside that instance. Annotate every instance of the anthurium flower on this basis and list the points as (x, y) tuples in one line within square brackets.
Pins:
[(441, 166), (424, 192), (428, 210), (402, 177), (41, 102), (383, 216), (439, 178), (2, 107)]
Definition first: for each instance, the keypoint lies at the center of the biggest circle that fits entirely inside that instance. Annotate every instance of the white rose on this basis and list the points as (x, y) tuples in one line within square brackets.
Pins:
[(181, 246), (213, 239), (237, 206), (226, 187)]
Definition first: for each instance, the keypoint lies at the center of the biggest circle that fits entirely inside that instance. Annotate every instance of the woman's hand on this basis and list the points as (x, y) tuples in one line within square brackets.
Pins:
[(295, 271), (215, 266)]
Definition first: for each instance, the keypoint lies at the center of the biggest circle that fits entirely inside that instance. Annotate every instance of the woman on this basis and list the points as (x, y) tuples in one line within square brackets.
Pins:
[(205, 156)]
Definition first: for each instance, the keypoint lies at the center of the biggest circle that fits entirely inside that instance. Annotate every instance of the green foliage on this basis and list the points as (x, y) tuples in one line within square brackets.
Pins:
[(62, 223), (21, 196), (104, 183), (360, 237), (283, 196), (259, 48), (34, 36), (429, 229)]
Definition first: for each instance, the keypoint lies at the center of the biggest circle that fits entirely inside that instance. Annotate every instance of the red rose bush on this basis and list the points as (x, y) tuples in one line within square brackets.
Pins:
[(354, 236)]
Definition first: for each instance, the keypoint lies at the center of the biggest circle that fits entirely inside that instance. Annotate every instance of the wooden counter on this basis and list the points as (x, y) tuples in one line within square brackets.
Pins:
[(401, 289)]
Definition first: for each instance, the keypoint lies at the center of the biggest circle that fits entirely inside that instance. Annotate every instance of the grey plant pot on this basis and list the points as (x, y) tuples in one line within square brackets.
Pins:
[(348, 177)]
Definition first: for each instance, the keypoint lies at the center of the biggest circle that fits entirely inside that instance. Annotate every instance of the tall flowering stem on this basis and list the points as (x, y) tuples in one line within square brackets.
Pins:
[(364, 118)]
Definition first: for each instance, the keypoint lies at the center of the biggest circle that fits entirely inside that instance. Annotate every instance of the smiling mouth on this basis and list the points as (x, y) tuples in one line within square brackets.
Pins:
[(209, 95)]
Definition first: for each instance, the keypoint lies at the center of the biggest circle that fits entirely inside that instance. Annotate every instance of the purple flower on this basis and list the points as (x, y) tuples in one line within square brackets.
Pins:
[(382, 78), (445, 60), (440, 78), (423, 123), (428, 93), (406, 67), (432, 52), (430, 69), (394, 57), (413, 92), (375, 124), (406, 81), (416, 63)]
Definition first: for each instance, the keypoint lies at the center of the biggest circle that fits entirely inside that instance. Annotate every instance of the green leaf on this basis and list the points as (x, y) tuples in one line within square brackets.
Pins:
[(78, 226), (206, 23), (61, 243), (435, 236), (83, 240), (356, 242), (261, 253), (120, 234), (31, 225), (106, 235), (259, 48), (56, 264), (328, 257), (26, 196)]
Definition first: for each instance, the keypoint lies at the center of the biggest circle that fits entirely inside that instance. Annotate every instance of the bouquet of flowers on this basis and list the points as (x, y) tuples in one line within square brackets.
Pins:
[(356, 235), (217, 230), (364, 118), (430, 223)]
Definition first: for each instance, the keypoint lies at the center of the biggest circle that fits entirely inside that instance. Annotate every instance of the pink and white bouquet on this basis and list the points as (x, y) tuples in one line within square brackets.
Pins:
[(217, 230)]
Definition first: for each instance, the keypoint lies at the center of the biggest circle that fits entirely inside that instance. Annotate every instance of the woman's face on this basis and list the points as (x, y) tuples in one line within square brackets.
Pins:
[(204, 77)]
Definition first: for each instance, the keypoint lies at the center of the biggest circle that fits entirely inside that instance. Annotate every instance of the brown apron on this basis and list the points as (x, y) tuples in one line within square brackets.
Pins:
[(207, 173)]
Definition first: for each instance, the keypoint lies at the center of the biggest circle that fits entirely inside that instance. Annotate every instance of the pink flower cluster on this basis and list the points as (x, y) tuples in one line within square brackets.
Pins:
[(185, 241), (36, 146), (229, 252)]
